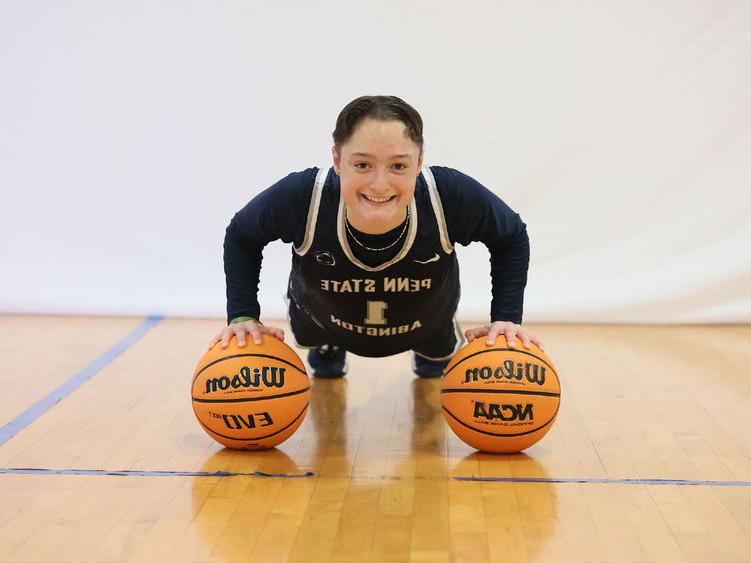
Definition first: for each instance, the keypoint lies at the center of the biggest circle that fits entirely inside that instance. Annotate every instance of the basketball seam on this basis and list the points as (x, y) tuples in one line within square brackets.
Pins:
[(503, 391), (252, 398), (257, 437), (501, 350), (552, 418)]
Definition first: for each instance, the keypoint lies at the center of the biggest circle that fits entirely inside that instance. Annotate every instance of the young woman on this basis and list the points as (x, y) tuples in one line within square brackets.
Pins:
[(373, 265)]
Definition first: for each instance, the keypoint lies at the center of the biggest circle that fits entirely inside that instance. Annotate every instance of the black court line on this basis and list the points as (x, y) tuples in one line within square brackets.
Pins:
[(140, 473), (46, 403)]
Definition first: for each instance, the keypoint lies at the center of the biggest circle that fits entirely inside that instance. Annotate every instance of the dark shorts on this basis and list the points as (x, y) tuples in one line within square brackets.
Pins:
[(439, 344)]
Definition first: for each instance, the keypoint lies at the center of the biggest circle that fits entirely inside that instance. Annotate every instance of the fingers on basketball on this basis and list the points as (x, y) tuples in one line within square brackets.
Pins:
[(524, 336), (492, 336), (227, 334), (278, 333), (240, 335), (473, 333), (216, 339), (510, 333)]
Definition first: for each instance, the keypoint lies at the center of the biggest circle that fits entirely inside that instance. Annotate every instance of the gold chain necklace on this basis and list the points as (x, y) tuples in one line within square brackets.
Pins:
[(354, 238)]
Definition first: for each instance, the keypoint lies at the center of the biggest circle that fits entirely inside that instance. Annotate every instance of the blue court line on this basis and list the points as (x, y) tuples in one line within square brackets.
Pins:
[(138, 473), (43, 405), (606, 481)]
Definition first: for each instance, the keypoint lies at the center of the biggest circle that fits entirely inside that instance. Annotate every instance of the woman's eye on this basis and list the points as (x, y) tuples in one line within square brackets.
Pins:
[(400, 166), (361, 165)]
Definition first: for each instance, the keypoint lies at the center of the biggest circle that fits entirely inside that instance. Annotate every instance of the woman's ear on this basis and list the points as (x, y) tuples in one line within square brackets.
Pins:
[(337, 159)]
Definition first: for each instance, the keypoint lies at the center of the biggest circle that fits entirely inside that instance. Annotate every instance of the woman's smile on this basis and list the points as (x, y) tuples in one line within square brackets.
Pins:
[(377, 200)]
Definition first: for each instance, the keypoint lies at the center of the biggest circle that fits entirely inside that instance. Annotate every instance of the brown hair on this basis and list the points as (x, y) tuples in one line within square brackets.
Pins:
[(382, 108)]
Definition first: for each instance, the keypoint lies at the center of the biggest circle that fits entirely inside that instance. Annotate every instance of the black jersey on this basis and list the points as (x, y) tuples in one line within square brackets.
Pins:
[(384, 309)]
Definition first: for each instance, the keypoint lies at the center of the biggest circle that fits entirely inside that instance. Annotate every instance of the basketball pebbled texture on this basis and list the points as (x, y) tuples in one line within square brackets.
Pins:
[(499, 399), (253, 397)]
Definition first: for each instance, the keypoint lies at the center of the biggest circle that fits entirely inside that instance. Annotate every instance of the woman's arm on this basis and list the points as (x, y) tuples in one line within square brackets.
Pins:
[(278, 213), (475, 214)]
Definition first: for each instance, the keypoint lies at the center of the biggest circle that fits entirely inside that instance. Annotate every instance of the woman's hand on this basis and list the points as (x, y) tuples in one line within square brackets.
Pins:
[(239, 330), (509, 329)]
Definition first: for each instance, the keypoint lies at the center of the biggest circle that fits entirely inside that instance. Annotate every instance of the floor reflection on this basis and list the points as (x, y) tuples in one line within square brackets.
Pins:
[(328, 407), (385, 481), (428, 427), (325, 446), (228, 512), (520, 517)]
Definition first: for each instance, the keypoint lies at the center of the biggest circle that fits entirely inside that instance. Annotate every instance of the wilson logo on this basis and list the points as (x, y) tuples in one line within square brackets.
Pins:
[(267, 376), (533, 373), (493, 411)]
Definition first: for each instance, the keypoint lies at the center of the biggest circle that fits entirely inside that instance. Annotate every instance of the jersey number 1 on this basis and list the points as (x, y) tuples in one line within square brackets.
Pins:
[(376, 311)]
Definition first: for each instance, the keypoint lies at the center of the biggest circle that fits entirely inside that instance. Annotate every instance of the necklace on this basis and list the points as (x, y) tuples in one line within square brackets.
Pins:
[(354, 238)]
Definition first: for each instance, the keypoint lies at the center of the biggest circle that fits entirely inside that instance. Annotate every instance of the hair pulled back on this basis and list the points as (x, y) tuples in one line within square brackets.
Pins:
[(382, 108)]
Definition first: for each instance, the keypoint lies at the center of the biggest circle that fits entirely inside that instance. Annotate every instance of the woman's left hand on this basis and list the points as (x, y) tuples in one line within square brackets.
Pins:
[(508, 329)]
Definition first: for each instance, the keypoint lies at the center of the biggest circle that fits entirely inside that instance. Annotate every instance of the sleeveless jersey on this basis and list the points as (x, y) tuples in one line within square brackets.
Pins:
[(381, 310)]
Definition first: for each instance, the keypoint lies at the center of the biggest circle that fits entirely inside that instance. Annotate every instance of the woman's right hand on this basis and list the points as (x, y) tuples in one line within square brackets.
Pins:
[(239, 330)]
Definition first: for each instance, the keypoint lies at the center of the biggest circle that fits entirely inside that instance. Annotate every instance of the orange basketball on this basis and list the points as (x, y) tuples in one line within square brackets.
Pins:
[(250, 398), (500, 399)]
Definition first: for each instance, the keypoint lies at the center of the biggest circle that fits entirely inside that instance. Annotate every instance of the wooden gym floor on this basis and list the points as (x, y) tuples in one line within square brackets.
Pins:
[(649, 460)]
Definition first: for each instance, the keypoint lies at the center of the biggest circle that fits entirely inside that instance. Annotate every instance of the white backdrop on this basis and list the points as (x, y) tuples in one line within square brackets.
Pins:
[(130, 133)]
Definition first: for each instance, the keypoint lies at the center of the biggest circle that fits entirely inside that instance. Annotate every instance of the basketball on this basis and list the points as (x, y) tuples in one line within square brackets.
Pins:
[(499, 399), (250, 398)]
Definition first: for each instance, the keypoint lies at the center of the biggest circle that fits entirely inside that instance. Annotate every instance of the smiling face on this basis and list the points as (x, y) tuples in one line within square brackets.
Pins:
[(377, 167)]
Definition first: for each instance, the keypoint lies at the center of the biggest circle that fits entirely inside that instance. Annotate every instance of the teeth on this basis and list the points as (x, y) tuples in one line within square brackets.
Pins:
[(377, 199)]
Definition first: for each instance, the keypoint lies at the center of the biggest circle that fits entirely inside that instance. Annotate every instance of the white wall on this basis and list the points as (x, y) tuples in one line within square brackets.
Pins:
[(130, 132)]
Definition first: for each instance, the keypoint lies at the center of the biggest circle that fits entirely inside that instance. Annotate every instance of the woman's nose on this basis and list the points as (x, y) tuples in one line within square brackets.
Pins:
[(380, 179)]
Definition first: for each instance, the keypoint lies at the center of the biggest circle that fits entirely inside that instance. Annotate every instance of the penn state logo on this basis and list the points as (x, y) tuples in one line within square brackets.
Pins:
[(324, 257)]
